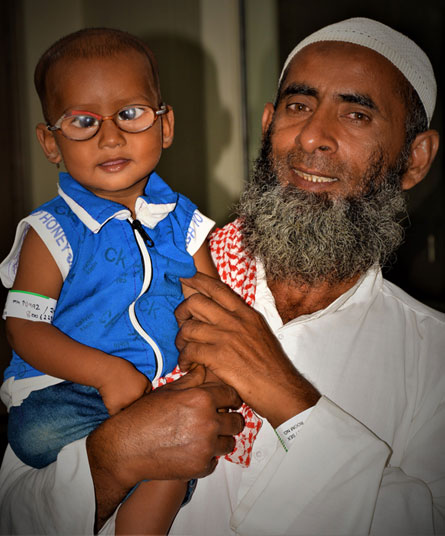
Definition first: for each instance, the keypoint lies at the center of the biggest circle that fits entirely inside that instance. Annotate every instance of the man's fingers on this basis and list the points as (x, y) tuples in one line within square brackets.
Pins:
[(231, 423), (194, 378), (196, 331), (201, 308), (193, 352), (224, 396), (225, 445), (215, 289)]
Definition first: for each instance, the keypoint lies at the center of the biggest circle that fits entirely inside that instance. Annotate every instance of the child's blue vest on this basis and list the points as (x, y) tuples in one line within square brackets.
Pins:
[(122, 276)]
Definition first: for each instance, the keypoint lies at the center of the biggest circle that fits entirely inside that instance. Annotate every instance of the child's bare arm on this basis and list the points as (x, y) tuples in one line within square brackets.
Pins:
[(204, 264), (151, 508), (49, 350)]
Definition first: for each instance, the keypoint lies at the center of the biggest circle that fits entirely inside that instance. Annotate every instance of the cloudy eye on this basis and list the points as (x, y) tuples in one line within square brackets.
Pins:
[(82, 121), (130, 113)]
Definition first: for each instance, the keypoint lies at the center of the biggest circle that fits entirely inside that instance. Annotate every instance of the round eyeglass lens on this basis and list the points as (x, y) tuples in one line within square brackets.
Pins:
[(80, 126), (135, 118)]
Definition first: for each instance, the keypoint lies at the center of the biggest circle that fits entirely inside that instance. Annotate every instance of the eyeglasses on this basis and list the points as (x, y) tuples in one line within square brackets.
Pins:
[(78, 125)]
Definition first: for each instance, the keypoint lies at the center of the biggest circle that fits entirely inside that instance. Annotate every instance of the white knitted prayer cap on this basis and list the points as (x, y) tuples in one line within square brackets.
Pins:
[(396, 47)]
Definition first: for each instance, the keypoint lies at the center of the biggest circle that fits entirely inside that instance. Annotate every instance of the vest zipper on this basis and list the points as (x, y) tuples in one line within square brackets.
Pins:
[(136, 224), (144, 241)]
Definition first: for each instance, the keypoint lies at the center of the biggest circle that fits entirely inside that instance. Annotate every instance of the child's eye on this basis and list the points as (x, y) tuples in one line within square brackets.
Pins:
[(130, 113), (82, 121)]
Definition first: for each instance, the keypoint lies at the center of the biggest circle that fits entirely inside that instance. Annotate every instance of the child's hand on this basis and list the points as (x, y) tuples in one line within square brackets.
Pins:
[(122, 385)]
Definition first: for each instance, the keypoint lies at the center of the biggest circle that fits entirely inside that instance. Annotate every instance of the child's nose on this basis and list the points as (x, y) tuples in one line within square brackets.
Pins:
[(110, 135)]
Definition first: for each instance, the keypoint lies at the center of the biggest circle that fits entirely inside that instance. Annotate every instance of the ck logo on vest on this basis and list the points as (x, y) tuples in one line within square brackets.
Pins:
[(64, 210), (112, 255)]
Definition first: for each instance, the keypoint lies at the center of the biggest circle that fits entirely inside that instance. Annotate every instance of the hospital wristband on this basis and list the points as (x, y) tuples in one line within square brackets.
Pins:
[(288, 430), (29, 306)]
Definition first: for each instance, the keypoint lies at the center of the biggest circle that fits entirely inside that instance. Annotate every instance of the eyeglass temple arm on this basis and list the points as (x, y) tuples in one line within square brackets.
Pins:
[(162, 109)]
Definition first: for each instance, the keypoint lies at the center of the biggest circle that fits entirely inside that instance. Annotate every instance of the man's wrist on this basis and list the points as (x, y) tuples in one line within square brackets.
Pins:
[(287, 431)]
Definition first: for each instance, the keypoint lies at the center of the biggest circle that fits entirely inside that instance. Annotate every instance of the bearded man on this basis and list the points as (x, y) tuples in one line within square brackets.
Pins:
[(353, 378), (345, 370)]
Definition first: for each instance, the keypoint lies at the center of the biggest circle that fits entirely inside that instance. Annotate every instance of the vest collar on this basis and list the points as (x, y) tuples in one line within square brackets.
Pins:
[(94, 212)]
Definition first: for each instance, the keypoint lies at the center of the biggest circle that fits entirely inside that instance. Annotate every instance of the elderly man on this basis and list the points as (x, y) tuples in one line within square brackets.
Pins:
[(347, 133), (346, 371)]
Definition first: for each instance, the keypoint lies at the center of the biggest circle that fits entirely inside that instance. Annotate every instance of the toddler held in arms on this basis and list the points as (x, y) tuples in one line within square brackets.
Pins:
[(95, 272)]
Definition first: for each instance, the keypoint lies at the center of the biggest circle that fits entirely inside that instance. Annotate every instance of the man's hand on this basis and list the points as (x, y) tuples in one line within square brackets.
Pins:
[(218, 330), (175, 432)]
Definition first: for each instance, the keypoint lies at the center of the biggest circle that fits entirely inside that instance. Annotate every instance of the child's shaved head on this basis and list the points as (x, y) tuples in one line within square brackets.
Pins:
[(92, 43)]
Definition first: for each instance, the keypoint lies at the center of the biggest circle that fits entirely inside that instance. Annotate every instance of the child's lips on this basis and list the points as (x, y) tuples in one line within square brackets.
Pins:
[(112, 166)]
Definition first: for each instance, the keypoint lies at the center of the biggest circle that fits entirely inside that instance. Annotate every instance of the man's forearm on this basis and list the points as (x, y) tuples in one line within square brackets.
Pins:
[(174, 433), (109, 492)]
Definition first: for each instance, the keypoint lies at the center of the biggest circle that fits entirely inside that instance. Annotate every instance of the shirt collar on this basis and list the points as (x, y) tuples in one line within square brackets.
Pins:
[(152, 207), (366, 287)]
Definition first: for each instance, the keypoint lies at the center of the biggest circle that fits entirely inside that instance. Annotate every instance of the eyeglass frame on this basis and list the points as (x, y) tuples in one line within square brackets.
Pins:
[(162, 110)]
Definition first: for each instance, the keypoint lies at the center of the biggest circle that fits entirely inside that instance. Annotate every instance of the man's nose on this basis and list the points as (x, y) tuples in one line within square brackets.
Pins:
[(319, 132), (110, 135)]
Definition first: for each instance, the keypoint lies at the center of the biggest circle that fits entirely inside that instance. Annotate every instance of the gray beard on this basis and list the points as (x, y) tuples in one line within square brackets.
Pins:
[(308, 239)]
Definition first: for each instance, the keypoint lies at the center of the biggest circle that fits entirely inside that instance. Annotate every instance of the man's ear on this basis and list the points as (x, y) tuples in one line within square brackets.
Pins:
[(423, 150), (48, 143), (268, 113), (168, 127)]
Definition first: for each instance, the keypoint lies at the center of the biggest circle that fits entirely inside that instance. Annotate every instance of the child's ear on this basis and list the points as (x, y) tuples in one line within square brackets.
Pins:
[(48, 143), (422, 153), (168, 127)]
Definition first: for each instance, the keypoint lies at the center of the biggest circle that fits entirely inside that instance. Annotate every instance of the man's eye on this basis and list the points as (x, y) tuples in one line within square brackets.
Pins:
[(130, 113), (359, 116), (297, 107), (83, 121)]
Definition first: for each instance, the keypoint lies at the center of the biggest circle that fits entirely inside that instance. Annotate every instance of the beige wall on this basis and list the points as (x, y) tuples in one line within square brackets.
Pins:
[(262, 67), (198, 47), (43, 22)]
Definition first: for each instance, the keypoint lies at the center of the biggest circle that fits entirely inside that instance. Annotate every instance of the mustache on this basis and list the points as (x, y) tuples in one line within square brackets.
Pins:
[(297, 158)]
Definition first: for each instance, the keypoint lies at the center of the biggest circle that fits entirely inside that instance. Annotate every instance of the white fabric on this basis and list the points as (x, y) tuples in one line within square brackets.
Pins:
[(13, 392), (150, 214), (29, 306), (198, 231), (52, 234), (378, 357), (288, 430), (369, 459), (394, 46), (56, 500), (85, 217)]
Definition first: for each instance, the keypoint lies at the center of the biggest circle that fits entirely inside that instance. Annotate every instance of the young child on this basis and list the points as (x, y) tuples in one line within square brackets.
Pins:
[(95, 271)]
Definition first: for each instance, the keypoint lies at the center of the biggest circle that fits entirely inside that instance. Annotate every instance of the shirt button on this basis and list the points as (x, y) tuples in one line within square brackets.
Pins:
[(280, 336), (258, 454)]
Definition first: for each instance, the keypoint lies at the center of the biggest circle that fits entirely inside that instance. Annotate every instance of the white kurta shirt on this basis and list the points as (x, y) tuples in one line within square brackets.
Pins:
[(369, 458), (371, 455)]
